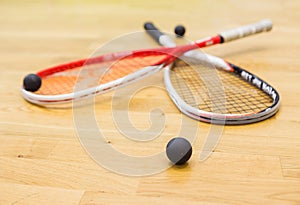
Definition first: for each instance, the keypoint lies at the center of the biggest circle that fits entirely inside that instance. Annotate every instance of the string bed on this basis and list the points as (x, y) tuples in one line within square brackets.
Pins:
[(216, 90), (95, 73)]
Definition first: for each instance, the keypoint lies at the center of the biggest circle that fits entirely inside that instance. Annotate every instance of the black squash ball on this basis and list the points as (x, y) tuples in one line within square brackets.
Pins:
[(179, 31), (179, 150), (32, 82)]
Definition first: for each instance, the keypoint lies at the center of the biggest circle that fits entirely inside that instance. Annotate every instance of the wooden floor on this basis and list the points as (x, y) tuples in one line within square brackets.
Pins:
[(41, 158)]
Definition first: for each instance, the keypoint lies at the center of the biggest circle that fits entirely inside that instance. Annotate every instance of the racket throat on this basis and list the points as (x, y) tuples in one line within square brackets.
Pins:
[(209, 41)]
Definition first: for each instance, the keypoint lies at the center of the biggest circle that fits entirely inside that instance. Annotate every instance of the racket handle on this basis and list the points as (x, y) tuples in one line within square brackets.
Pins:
[(158, 36), (261, 26), (153, 31)]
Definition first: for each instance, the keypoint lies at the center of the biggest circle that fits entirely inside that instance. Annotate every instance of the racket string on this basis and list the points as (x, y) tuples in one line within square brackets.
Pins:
[(248, 97), (93, 74), (218, 91)]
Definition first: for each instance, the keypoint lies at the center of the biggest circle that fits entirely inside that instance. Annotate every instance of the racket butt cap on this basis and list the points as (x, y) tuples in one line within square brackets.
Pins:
[(148, 26)]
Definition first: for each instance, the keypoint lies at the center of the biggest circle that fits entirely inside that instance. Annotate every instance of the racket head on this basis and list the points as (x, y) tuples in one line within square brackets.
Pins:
[(81, 79), (102, 72), (86, 80), (225, 93)]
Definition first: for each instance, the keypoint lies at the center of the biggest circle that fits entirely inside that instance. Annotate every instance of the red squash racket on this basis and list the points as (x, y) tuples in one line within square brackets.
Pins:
[(121, 68)]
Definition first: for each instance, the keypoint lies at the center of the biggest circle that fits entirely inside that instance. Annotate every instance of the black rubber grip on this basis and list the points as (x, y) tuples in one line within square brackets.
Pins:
[(153, 31)]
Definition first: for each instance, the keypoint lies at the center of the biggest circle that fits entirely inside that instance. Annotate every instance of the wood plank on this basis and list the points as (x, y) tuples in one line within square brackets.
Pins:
[(31, 194), (69, 175), (290, 166)]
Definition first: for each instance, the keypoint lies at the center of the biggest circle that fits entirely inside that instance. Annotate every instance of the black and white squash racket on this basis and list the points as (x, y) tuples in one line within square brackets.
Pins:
[(107, 72), (224, 92)]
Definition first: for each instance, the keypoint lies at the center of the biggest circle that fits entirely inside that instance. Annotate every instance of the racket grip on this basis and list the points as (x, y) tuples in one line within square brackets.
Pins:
[(259, 27), (158, 36), (153, 31)]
